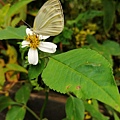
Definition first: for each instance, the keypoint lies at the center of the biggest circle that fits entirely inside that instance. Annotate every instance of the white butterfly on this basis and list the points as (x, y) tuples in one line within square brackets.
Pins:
[(49, 20)]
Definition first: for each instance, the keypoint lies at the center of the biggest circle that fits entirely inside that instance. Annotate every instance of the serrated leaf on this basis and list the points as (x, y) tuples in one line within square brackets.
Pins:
[(16, 113), (5, 102), (85, 73), (109, 14), (112, 46), (13, 33), (75, 109), (15, 67), (94, 112), (23, 94)]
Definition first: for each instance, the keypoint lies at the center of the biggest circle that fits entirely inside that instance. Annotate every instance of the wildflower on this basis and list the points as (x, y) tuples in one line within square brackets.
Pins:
[(34, 41)]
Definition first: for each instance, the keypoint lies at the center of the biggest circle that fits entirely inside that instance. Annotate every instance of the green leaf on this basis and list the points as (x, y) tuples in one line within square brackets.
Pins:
[(16, 113), (118, 6), (2, 77), (75, 109), (99, 48), (84, 17), (112, 46), (57, 39), (23, 94), (13, 33), (22, 16), (22, 13), (4, 9), (64, 37), (35, 70), (118, 26), (85, 73), (67, 33), (15, 21), (116, 116), (17, 6), (15, 67), (94, 112), (5, 102), (109, 14), (3, 12), (91, 40)]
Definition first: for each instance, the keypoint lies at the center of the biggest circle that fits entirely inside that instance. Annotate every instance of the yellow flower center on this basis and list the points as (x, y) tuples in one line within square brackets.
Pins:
[(34, 40)]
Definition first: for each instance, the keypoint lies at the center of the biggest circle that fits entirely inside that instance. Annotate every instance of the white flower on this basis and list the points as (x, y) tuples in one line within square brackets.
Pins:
[(34, 42)]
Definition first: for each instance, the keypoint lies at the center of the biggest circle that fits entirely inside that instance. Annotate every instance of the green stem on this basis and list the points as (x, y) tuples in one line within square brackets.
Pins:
[(44, 104), (32, 112)]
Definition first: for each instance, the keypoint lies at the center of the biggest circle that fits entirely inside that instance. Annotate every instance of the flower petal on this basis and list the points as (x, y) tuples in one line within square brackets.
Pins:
[(33, 56), (47, 47), (29, 31), (41, 37), (25, 43)]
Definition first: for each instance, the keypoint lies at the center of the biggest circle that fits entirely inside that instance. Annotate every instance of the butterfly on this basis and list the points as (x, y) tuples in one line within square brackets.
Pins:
[(50, 19)]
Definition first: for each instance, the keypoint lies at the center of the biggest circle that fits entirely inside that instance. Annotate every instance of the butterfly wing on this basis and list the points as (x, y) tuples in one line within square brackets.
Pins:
[(49, 20)]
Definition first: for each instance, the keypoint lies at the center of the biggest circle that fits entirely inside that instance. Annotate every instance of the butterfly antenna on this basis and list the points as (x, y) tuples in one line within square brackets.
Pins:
[(27, 24)]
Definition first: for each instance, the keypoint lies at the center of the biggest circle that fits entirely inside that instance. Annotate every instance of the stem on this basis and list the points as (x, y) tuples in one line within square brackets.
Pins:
[(32, 112), (44, 105)]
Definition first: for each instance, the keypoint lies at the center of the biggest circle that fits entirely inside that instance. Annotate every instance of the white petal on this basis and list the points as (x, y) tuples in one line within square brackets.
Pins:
[(47, 47), (33, 56), (41, 37), (29, 31), (25, 43)]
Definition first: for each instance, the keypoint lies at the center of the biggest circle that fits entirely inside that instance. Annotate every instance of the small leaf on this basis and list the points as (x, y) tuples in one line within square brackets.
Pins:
[(109, 14), (3, 12), (17, 6), (35, 70), (2, 77), (116, 116), (112, 46), (85, 73), (84, 17), (67, 33), (5, 102), (15, 67), (75, 109), (23, 94), (13, 33), (15, 21), (118, 5), (16, 113), (99, 48), (5, 9), (22, 13), (94, 112), (91, 40), (11, 52)]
